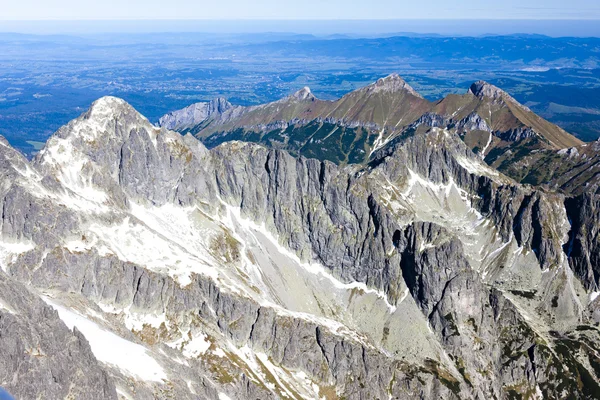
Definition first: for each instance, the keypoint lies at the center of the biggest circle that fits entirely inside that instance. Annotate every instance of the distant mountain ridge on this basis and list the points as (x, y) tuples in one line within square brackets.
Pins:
[(350, 129), (362, 106)]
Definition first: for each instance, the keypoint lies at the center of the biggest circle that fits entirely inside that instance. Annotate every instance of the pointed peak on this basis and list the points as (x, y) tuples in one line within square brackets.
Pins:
[(303, 94), (108, 102), (393, 77), (392, 83), (101, 116), (108, 120), (483, 89), (109, 106)]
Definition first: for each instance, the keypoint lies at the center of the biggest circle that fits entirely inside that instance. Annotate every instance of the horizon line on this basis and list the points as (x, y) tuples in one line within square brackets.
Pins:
[(291, 19)]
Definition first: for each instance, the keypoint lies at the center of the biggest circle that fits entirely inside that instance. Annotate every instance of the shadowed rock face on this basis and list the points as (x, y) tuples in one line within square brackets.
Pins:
[(246, 272), (582, 247)]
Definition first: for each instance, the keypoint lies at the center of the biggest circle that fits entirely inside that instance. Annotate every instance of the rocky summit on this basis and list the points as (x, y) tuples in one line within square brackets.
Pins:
[(141, 263)]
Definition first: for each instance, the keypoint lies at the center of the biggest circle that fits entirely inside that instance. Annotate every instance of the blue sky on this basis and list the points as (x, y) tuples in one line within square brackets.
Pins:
[(299, 9)]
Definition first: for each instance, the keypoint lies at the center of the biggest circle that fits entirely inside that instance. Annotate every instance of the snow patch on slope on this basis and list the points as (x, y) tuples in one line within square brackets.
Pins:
[(10, 250), (278, 380), (314, 268), (129, 357), (197, 346), (477, 168), (69, 165), (5, 307), (162, 239)]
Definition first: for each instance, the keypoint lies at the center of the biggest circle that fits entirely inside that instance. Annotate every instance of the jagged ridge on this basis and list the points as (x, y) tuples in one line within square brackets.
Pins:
[(259, 274)]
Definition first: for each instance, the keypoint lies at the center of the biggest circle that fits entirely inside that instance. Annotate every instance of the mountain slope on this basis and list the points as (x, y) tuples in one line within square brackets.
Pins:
[(246, 272), (503, 131), (41, 358)]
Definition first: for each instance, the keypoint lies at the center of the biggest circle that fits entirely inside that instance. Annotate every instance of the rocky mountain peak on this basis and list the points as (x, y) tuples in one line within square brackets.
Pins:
[(483, 89), (303, 94), (392, 83), (104, 127), (109, 106), (106, 117)]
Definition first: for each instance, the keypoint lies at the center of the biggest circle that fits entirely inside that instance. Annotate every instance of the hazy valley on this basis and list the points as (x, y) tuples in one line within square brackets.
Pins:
[(48, 80)]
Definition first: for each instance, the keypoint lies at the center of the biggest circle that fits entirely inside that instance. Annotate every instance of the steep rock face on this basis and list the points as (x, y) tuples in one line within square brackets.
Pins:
[(540, 225), (195, 114), (481, 328), (472, 122), (41, 357), (516, 135), (456, 304), (582, 247), (245, 271), (315, 208)]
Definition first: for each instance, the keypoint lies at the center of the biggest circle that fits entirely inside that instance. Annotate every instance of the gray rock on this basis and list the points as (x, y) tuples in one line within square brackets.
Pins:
[(195, 114), (495, 319), (41, 357)]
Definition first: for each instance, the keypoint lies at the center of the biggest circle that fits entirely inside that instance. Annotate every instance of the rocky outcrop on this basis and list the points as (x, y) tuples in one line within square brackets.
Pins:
[(517, 134), (303, 94), (483, 89), (472, 122), (431, 120), (392, 83)]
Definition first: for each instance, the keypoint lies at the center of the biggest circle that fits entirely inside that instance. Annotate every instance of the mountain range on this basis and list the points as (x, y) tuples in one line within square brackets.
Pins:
[(380, 246), (506, 134)]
